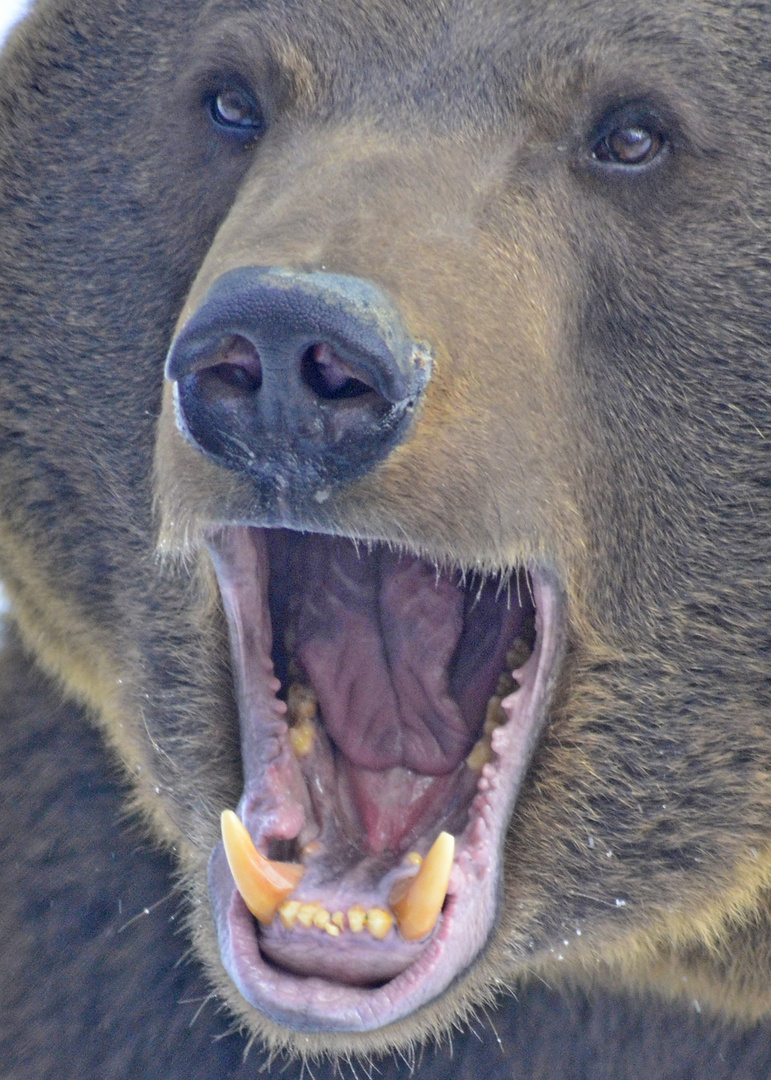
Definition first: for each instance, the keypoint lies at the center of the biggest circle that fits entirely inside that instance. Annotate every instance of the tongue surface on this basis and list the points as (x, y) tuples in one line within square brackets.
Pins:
[(376, 635)]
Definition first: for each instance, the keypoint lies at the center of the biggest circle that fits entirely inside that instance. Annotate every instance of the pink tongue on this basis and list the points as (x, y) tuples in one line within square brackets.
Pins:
[(376, 636)]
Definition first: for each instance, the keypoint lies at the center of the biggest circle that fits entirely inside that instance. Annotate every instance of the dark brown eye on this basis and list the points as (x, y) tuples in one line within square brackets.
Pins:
[(235, 111), (629, 144)]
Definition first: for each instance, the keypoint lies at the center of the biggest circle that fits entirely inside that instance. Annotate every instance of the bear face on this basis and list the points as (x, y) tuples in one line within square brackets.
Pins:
[(450, 515)]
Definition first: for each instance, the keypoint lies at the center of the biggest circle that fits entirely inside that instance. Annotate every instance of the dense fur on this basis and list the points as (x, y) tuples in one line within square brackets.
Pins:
[(599, 408)]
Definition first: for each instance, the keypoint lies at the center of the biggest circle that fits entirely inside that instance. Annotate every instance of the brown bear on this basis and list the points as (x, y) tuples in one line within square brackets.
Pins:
[(385, 467)]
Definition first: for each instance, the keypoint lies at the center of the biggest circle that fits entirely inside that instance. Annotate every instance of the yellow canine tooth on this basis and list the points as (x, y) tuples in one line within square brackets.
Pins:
[(262, 883), (417, 901)]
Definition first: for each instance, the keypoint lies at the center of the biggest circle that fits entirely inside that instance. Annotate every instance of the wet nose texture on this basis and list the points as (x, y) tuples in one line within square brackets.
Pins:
[(302, 381)]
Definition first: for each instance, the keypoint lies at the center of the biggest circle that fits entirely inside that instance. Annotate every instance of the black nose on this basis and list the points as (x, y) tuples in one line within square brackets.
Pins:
[(303, 381)]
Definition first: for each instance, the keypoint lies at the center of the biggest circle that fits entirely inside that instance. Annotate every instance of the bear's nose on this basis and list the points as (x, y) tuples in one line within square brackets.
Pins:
[(302, 380)]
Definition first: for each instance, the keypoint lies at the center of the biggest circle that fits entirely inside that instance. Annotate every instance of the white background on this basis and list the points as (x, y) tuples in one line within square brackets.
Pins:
[(10, 11)]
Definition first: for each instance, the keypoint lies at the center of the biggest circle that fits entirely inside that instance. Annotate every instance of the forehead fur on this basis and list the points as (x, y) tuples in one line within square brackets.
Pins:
[(397, 59)]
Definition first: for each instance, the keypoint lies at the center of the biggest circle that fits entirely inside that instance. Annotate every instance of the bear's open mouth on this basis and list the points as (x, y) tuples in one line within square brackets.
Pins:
[(386, 706)]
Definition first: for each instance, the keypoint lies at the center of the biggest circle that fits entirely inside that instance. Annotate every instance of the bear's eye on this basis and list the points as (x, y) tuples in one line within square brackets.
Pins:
[(236, 112), (629, 142)]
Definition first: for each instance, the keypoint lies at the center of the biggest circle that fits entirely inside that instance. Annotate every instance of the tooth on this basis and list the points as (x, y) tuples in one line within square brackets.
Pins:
[(332, 930), (288, 912), (339, 920), (505, 685), (301, 702), (417, 902), (356, 917), (379, 922), (494, 716), (307, 913), (322, 918), (302, 737), (415, 859), (263, 884), (518, 653), (481, 754)]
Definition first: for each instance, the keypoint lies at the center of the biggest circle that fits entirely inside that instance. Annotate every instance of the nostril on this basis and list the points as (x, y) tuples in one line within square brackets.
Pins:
[(301, 381), (236, 366), (328, 375)]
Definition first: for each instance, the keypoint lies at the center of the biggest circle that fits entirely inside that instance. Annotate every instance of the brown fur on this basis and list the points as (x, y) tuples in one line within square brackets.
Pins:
[(600, 407)]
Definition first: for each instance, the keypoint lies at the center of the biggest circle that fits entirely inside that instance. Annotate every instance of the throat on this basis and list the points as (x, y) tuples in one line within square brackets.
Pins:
[(401, 659), (380, 809)]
